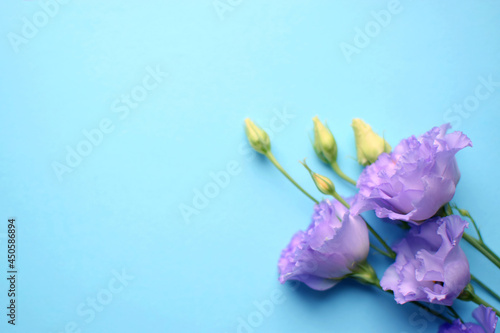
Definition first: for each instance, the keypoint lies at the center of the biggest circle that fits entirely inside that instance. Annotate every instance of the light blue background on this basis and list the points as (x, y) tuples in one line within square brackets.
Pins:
[(119, 209)]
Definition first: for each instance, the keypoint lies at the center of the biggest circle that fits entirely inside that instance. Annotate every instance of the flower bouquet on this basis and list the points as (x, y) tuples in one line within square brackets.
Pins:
[(410, 186)]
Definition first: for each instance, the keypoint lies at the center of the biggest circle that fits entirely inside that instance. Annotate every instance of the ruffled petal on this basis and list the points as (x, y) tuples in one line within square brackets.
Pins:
[(486, 317), (415, 180)]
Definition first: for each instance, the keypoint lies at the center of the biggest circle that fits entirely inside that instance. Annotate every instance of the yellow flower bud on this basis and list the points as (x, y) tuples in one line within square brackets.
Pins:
[(257, 137), (369, 145), (323, 184), (324, 143)]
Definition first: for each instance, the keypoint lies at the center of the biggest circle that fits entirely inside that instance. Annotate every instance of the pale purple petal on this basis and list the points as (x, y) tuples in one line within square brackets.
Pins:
[(486, 317), (328, 250), (430, 266), (415, 180)]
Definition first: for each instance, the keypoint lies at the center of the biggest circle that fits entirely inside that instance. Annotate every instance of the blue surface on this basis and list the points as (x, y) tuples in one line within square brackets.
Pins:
[(118, 210)]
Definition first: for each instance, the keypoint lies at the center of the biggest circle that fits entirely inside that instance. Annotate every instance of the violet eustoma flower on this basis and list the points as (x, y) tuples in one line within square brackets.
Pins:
[(430, 265), (329, 250), (486, 318), (415, 180)]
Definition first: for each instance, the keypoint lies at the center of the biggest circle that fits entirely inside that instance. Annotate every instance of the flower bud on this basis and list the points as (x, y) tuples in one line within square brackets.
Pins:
[(324, 143), (324, 184), (257, 137), (369, 145), (463, 212)]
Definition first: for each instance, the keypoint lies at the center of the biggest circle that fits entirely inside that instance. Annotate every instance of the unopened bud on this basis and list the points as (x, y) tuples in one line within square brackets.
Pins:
[(323, 183), (324, 143), (369, 145), (257, 137), (463, 212)]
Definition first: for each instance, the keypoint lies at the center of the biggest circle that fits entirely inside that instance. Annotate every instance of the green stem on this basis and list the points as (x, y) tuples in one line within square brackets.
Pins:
[(390, 252), (479, 244), (379, 250), (465, 213), (342, 175), (271, 158), (477, 229), (341, 200), (448, 209), (486, 247), (437, 314), (485, 287), (454, 313), (481, 247), (479, 301)]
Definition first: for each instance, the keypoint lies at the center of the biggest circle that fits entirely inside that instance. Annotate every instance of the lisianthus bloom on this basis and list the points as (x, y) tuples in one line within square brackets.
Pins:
[(329, 250), (430, 266), (484, 316), (415, 180)]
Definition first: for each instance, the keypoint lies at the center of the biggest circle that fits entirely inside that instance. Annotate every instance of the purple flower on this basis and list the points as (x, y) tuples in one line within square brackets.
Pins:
[(430, 265), (484, 316), (415, 180), (328, 250)]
